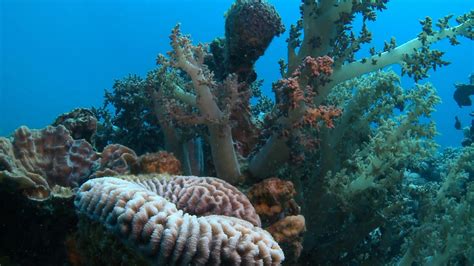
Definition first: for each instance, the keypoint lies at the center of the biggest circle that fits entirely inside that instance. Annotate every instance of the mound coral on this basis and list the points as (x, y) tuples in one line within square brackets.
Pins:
[(288, 232), (199, 195), (116, 159), (249, 28), (37, 160), (273, 199), (165, 235), (158, 162)]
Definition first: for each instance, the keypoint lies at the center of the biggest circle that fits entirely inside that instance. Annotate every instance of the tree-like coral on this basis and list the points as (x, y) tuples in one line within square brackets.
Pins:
[(133, 122), (444, 233)]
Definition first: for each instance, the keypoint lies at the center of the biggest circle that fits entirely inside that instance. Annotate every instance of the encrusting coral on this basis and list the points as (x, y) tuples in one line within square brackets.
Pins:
[(273, 199), (157, 162), (288, 232), (165, 235), (37, 160), (274, 202)]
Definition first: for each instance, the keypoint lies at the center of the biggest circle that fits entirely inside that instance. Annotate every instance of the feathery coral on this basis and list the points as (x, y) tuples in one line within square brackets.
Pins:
[(165, 235)]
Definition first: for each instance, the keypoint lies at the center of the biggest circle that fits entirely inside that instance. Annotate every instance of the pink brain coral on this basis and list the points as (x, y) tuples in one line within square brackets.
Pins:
[(167, 236), (200, 195)]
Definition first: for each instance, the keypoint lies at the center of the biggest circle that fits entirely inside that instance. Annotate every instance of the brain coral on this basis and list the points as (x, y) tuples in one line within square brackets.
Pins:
[(200, 195), (168, 236)]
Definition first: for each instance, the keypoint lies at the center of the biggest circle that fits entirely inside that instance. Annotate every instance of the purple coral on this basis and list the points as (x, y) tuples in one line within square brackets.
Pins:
[(36, 160)]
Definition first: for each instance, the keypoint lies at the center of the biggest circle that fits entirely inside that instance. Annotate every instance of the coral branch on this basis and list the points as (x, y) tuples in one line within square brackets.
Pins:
[(191, 60)]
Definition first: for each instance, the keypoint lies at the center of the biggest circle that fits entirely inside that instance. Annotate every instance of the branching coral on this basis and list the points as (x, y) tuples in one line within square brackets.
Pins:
[(445, 229), (133, 122), (191, 60), (165, 235), (327, 31), (364, 171)]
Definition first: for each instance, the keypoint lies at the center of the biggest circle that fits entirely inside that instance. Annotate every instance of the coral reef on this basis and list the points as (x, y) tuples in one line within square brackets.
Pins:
[(81, 123), (163, 234), (34, 232), (443, 234), (37, 160), (356, 150)]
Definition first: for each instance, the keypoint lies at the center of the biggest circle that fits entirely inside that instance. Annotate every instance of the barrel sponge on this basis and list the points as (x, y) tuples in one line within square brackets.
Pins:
[(165, 235), (200, 195)]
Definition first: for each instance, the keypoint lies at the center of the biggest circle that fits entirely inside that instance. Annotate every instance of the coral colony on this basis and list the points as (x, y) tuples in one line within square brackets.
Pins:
[(341, 169)]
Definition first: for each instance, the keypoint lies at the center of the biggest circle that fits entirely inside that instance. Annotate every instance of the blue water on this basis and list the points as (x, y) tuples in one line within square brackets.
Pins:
[(57, 55)]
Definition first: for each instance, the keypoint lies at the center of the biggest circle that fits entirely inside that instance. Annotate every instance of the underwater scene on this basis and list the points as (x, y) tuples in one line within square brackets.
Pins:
[(237, 132)]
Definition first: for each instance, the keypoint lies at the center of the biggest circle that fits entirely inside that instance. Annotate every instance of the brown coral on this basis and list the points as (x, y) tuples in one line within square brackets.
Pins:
[(273, 199), (80, 122), (37, 160), (159, 162), (288, 232), (165, 235), (116, 159)]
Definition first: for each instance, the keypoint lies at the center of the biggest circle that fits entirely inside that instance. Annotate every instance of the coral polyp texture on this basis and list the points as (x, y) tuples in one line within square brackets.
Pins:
[(158, 162), (200, 195), (273, 199), (37, 160), (116, 159), (165, 235), (81, 123)]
